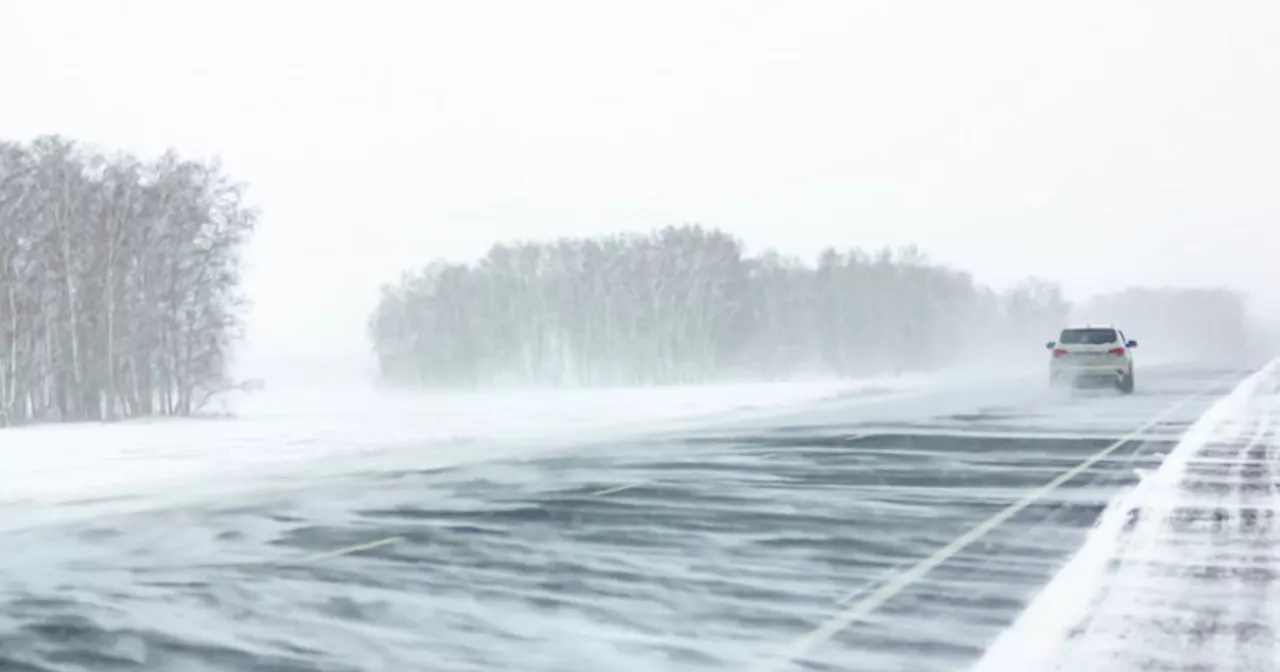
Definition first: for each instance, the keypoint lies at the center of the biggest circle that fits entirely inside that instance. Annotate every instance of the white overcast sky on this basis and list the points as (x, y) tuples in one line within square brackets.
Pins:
[(1095, 142)]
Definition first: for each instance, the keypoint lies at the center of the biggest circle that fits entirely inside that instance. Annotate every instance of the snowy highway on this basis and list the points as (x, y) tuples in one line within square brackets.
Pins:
[(815, 538)]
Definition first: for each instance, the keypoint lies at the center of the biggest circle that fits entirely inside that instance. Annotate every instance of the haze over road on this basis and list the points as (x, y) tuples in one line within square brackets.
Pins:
[(713, 548)]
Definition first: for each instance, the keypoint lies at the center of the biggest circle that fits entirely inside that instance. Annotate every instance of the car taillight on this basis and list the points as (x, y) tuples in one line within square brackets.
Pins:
[(1116, 352), (1059, 352)]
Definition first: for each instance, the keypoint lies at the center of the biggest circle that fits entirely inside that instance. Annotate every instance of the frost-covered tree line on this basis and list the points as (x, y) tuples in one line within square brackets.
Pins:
[(688, 304), (118, 282), (1205, 324)]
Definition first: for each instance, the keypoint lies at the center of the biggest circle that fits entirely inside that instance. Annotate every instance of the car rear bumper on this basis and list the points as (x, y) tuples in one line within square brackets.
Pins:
[(1111, 371)]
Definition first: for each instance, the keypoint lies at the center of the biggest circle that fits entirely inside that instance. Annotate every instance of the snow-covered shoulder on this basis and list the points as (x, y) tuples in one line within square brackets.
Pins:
[(1178, 573)]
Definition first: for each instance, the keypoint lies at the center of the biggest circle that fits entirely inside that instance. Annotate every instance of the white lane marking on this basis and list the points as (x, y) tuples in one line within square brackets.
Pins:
[(620, 488), (802, 646), (348, 550), (866, 587)]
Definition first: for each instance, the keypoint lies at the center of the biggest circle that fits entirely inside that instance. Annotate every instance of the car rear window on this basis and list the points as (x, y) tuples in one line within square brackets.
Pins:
[(1088, 336)]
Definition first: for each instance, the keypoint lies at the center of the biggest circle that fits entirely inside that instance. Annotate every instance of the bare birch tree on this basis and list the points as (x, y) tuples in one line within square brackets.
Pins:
[(119, 282)]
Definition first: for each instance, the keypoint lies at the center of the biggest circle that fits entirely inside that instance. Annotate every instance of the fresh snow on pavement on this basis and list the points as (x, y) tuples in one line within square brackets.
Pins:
[(315, 430)]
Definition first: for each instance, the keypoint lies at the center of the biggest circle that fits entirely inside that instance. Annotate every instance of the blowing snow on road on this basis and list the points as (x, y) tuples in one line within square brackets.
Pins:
[(886, 529), (668, 336)]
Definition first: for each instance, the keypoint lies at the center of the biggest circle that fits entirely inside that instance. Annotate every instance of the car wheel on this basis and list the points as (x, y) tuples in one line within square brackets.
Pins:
[(1126, 385)]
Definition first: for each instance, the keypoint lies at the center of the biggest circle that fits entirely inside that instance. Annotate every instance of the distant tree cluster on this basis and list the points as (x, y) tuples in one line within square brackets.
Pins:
[(687, 304), (118, 282), (1200, 324)]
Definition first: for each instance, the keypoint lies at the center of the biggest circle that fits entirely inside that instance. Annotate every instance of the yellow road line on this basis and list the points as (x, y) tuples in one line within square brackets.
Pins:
[(620, 488), (349, 550)]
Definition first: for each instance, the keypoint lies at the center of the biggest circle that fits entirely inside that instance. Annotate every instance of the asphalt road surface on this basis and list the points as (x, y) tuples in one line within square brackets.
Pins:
[(725, 548)]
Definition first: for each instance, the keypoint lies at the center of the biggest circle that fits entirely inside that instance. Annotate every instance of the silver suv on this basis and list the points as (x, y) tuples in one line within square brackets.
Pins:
[(1092, 353)]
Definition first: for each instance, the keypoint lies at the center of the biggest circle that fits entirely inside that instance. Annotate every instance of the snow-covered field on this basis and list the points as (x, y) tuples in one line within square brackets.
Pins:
[(337, 429)]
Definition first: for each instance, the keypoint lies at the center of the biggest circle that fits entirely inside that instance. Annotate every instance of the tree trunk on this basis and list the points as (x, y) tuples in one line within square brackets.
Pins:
[(73, 327), (110, 390)]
